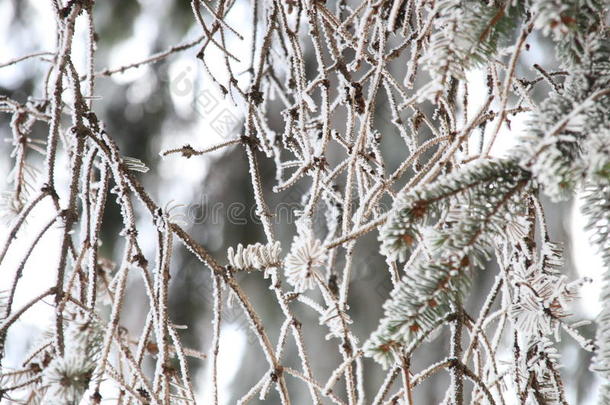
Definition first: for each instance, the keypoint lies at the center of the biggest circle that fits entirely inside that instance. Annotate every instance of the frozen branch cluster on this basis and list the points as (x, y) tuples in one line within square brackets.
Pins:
[(355, 83)]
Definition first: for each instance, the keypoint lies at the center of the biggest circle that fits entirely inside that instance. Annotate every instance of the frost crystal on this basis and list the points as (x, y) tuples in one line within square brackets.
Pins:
[(255, 257), (335, 321), (67, 378), (306, 256), (542, 301)]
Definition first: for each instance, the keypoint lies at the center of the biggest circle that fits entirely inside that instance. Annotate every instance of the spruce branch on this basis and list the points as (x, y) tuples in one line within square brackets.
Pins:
[(479, 199)]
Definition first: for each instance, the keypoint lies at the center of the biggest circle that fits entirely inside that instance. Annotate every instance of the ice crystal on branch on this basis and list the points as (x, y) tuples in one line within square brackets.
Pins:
[(538, 372), (306, 257), (542, 294), (255, 257), (67, 377), (335, 321)]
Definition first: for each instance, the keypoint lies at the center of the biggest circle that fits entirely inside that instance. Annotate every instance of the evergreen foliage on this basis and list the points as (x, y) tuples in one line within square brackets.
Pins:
[(457, 221), (468, 34), (461, 220)]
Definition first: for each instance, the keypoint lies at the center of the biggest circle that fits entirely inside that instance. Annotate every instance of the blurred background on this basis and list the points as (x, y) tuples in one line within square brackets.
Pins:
[(171, 103)]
